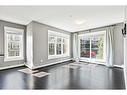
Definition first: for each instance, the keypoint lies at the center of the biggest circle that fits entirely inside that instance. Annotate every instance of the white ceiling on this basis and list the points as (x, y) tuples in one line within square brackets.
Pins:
[(64, 17)]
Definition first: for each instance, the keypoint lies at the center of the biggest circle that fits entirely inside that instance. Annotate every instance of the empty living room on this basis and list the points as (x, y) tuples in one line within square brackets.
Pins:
[(63, 47)]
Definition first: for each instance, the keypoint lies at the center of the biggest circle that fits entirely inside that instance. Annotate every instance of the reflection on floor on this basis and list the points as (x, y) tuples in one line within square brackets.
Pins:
[(35, 73), (86, 77)]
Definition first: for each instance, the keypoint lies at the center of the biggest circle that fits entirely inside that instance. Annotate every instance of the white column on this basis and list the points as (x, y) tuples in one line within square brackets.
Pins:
[(125, 60), (125, 51)]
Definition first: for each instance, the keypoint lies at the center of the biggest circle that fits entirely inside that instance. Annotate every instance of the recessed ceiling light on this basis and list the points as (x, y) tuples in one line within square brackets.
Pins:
[(79, 22)]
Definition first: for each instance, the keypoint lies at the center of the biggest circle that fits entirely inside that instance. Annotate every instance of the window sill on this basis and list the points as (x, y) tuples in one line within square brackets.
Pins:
[(12, 59), (57, 56)]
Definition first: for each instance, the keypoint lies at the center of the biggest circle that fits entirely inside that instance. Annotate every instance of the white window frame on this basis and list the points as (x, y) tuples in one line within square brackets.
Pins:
[(62, 36), (100, 61), (13, 30)]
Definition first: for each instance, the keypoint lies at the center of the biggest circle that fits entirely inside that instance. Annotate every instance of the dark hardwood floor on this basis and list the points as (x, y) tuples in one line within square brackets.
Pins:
[(87, 77)]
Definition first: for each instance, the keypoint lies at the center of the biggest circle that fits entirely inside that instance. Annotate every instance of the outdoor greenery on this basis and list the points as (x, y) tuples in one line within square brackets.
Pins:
[(100, 48)]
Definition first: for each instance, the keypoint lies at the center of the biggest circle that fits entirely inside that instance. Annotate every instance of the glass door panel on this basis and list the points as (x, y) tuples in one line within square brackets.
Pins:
[(85, 47), (93, 47), (97, 46)]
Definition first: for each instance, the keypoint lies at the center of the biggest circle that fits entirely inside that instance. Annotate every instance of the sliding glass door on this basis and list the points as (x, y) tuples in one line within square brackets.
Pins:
[(85, 47), (92, 46)]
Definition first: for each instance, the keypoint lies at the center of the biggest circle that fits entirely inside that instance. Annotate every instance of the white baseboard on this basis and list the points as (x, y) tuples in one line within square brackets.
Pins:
[(8, 67), (98, 63), (120, 66), (50, 64), (27, 65)]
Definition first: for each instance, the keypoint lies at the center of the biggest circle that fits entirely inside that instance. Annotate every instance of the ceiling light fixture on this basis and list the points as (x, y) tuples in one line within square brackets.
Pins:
[(79, 22)]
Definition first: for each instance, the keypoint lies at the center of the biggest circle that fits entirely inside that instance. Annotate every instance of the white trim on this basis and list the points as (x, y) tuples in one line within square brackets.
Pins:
[(101, 63), (62, 36), (8, 67), (92, 33), (54, 33), (14, 30), (43, 65), (125, 49), (9, 29), (57, 56), (120, 66), (96, 62), (27, 65), (13, 59)]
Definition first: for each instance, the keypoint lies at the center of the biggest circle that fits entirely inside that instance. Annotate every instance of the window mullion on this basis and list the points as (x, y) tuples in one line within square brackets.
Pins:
[(55, 44), (90, 47), (62, 46)]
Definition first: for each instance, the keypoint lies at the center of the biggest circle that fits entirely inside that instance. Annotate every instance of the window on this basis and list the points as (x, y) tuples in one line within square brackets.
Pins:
[(13, 44), (51, 45), (58, 45), (92, 46)]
